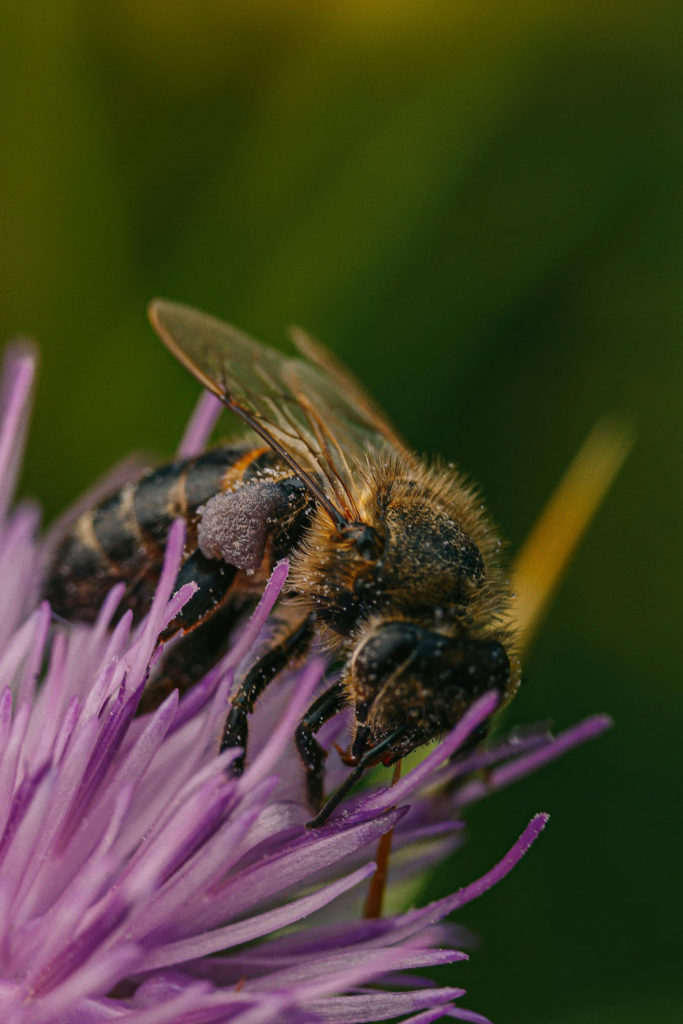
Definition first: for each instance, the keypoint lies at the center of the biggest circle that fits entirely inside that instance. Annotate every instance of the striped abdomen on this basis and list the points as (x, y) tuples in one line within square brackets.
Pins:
[(124, 537)]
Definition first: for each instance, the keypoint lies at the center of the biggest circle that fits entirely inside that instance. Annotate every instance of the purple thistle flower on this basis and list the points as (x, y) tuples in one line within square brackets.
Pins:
[(140, 882)]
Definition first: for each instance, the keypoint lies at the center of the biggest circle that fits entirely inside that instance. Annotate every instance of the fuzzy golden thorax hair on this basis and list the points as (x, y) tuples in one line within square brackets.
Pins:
[(435, 561)]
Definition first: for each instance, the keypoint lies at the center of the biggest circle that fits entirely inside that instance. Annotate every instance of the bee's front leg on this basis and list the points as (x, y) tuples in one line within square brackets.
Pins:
[(236, 730), (312, 754)]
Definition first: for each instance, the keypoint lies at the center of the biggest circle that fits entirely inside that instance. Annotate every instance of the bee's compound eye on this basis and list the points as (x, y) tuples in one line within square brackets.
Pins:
[(494, 660), (385, 651), (478, 666)]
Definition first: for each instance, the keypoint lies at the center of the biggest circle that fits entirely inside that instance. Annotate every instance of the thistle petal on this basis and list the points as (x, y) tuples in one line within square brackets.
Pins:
[(130, 856)]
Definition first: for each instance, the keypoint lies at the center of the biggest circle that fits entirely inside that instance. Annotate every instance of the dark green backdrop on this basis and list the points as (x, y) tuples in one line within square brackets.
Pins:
[(478, 206)]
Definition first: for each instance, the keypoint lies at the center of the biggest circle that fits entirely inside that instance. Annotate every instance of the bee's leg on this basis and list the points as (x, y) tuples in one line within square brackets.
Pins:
[(206, 619), (371, 756), (312, 754), (190, 658), (236, 730), (213, 579)]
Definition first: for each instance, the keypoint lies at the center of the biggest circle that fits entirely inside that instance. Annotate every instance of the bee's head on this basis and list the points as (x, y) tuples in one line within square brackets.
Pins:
[(410, 685), (415, 683)]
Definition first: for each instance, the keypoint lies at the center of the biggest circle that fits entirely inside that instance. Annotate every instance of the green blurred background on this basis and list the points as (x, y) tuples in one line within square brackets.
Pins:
[(478, 207)]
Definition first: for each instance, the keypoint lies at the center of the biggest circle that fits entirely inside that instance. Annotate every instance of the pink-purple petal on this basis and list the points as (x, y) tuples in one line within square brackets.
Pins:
[(296, 862), (401, 959), (516, 769), (139, 880), (253, 927), (200, 425), (356, 1009), (18, 372), (427, 1016), (460, 1013)]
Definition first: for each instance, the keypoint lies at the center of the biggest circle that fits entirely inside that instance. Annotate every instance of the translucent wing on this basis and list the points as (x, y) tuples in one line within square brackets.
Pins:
[(348, 386), (312, 413)]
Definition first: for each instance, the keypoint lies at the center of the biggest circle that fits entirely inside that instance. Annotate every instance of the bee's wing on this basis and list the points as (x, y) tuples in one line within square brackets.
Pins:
[(349, 389), (314, 416)]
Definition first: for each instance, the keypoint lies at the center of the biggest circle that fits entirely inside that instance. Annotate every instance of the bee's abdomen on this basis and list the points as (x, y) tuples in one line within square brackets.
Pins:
[(106, 545), (124, 537)]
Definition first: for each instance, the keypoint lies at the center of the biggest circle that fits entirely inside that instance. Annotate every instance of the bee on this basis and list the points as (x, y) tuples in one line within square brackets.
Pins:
[(393, 561)]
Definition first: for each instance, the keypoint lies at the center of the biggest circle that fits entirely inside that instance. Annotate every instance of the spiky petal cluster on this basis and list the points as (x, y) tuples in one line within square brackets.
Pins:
[(140, 882)]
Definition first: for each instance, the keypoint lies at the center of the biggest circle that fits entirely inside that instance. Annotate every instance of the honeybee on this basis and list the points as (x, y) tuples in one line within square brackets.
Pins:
[(393, 561)]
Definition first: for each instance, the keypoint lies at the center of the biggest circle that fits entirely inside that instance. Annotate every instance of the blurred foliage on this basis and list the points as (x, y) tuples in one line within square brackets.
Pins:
[(478, 207)]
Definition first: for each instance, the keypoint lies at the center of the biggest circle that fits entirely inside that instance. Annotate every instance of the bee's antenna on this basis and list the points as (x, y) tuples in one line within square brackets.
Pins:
[(369, 757)]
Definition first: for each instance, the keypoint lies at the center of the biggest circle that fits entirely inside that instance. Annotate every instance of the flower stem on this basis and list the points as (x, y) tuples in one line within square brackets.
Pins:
[(378, 883)]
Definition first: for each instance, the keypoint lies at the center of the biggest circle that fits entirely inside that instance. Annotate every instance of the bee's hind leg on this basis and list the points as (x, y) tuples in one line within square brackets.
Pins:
[(236, 730), (206, 620)]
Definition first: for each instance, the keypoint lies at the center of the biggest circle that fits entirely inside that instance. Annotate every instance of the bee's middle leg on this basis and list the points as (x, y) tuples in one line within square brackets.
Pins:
[(236, 730)]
